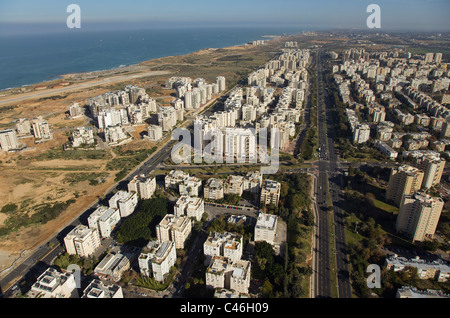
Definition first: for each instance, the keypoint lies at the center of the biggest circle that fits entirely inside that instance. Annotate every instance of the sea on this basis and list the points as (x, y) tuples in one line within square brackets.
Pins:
[(31, 59)]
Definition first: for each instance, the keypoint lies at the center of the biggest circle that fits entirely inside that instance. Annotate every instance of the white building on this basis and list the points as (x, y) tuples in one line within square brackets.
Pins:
[(82, 241), (223, 244), (361, 134), (191, 186), (155, 132), (112, 266), (223, 273), (104, 220), (98, 289), (144, 186), (270, 192), (82, 136), (213, 189), (189, 206), (41, 129), (266, 227), (175, 229), (174, 178), (8, 140), (124, 201), (54, 284), (157, 258)]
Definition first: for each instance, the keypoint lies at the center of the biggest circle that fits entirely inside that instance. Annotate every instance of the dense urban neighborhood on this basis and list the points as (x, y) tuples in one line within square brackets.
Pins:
[(323, 155)]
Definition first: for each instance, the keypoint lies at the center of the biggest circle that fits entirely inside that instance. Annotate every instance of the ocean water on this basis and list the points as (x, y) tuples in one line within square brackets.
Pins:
[(31, 59)]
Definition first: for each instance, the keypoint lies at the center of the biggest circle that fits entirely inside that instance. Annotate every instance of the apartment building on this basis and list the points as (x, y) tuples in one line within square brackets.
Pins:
[(98, 289), (144, 186), (125, 201), (104, 220), (41, 129), (270, 192), (437, 270), (190, 186), (23, 127), (223, 273), (192, 207), (433, 169), (154, 132), (225, 244), (167, 117), (412, 292), (82, 241), (175, 229), (234, 185), (403, 180), (213, 189), (112, 266), (361, 134), (418, 216), (75, 110), (54, 284), (82, 136), (252, 182), (174, 178), (266, 227), (8, 140), (114, 135), (157, 258)]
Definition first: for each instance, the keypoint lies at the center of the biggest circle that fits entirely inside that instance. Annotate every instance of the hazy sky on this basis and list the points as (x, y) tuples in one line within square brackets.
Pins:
[(426, 15)]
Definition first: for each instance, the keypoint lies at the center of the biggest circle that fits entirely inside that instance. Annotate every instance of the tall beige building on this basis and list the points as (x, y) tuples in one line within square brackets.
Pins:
[(432, 169), (403, 180), (8, 140), (418, 216), (270, 192), (82, 241), (175, 229)]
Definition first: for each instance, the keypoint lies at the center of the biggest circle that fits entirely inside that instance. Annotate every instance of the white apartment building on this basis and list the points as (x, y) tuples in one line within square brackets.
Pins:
[(191, 186), (167, 117), (82, 241), (418, 216), (213, 189), (361, 134), (266, 227), (270, 192), (8, 140), (189, 206), (98, 289), (437, 270), (114, 134), (223, 273), (154, 132), (82, 136), (174, 178), (54, 284), (23, 127), (124, 201), (41, 129), (75, 110), (225, 244), (144, 186), (112, 266), (157, 258), (234, 185), (175, 229), (104, 220)]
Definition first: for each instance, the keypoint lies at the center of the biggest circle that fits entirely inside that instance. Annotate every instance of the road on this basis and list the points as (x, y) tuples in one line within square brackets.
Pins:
[(330, 183)]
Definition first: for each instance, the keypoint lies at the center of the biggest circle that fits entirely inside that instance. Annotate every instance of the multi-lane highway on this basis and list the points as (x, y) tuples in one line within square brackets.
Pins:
[(331, 253)]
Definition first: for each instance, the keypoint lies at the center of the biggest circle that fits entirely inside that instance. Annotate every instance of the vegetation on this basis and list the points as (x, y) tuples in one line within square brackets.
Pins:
[(139, 228), (86, 264), (128, 161), (42, 214)]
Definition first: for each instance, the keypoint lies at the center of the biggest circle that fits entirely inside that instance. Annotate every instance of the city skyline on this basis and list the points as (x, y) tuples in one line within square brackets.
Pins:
[(25, 16)]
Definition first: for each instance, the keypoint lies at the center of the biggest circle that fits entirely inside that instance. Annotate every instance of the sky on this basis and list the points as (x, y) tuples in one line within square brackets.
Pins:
[(50, 15)]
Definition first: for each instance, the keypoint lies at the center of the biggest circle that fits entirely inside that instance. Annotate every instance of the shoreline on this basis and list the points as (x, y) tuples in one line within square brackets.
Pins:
[(7, 91)]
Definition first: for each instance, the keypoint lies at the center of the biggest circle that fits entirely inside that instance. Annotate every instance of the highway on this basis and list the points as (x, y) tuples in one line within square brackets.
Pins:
[(329, 185)]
